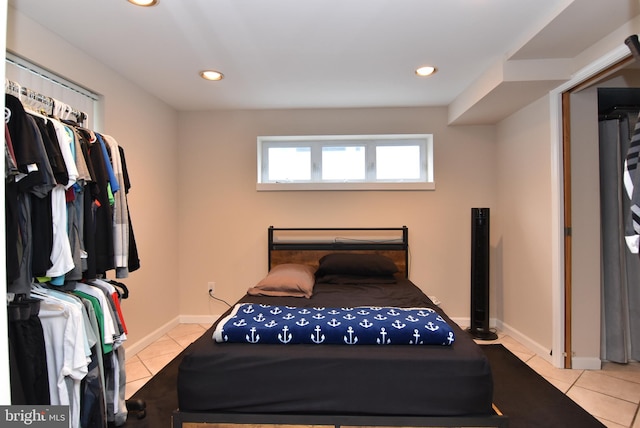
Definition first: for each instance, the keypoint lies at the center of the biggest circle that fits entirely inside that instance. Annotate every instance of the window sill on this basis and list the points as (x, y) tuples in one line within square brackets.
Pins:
[(281, 187)]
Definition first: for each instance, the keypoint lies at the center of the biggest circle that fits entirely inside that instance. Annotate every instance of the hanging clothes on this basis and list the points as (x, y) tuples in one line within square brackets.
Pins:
[(50, 188), (99, 212), (67, 225), (632, 186), (67, 348), (120, 214), (27, 354)]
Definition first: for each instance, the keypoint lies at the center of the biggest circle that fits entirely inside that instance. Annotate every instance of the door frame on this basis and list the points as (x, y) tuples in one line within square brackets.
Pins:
[(561, 194)]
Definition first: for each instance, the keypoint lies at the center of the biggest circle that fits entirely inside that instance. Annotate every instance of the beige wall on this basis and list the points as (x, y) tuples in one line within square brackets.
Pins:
[(585, 227), (224, 220), (147, 129), (523, 228)]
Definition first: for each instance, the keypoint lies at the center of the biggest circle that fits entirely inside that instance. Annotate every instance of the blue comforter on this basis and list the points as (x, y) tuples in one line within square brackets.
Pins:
[(255, 323)]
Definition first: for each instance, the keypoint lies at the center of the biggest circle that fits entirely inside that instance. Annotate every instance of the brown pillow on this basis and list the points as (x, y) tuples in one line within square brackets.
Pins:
[(286, 280)]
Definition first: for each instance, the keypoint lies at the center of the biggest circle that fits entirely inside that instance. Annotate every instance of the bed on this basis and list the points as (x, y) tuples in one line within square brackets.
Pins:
[(446, 382)]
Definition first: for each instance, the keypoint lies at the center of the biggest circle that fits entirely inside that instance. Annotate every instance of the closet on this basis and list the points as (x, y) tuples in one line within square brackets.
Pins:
[(619, 136), (600, 283), (69, 247)]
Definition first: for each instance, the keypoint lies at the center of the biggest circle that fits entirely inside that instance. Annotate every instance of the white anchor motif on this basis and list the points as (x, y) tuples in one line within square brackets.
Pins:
[(416, 334), (290, 307), (264, 305), (423, 321), (376, 308), (366, 323), (334, 323), (255, 338), (285, 336), (317, 339), (224, 336), (383, 334), (352, 340), (397, 324), (431, 326), (450, 339)]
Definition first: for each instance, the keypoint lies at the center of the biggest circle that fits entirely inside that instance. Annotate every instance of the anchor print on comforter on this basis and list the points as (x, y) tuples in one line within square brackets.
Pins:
[(256, 323)]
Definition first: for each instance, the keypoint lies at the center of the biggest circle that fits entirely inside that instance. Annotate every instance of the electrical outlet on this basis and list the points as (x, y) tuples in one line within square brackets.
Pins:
[(211, 287)]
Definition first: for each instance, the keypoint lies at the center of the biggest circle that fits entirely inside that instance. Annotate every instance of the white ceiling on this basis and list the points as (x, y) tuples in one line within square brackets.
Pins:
[(337, 53)]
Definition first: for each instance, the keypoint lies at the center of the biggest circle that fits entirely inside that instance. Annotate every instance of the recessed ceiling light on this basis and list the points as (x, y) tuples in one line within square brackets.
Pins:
[(427, 70), (144, 3), (211, 75)]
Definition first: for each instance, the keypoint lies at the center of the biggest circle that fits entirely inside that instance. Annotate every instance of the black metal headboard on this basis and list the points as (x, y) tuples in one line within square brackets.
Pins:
[(308, 245)]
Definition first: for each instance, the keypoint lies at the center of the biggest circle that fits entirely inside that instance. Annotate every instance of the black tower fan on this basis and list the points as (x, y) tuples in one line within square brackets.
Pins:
[(479, 328)]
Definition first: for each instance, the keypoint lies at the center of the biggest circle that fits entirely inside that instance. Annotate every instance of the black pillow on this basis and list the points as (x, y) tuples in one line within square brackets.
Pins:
[(356, 264), (344, 279)]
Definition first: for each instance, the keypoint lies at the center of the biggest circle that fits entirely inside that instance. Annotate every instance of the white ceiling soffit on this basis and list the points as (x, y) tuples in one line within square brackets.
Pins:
[(493, 56), (543, 61)]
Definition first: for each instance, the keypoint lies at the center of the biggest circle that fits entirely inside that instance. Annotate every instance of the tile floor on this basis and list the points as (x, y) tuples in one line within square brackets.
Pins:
[(611, 394)]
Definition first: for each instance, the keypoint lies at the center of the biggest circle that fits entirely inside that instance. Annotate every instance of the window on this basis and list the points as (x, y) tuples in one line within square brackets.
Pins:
[(346, 162), (49, 84)]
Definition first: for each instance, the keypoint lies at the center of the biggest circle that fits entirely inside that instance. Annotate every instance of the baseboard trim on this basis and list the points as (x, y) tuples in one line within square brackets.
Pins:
[(463, 322), (586, 363), (131, 349), (515, 334), (578, 363), (541, 351), (198, 319)]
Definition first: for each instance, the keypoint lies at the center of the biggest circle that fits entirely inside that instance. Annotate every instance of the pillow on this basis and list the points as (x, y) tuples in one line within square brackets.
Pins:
[(355, 279), (286, 280), (356, 264)]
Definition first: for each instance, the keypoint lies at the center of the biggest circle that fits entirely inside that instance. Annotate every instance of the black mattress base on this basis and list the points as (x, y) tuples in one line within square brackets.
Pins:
[(429, 380), (494, 420)]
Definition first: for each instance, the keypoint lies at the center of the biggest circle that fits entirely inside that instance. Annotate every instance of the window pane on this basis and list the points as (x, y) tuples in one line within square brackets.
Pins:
[(289, 163), (343, 163), (397, 162)]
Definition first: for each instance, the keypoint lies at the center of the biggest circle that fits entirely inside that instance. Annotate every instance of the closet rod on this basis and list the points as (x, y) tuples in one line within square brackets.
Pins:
[(14, 88), (618, 112)]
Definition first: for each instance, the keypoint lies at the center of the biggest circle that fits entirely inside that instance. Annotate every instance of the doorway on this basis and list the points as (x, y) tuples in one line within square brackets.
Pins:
[(580, 274)]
